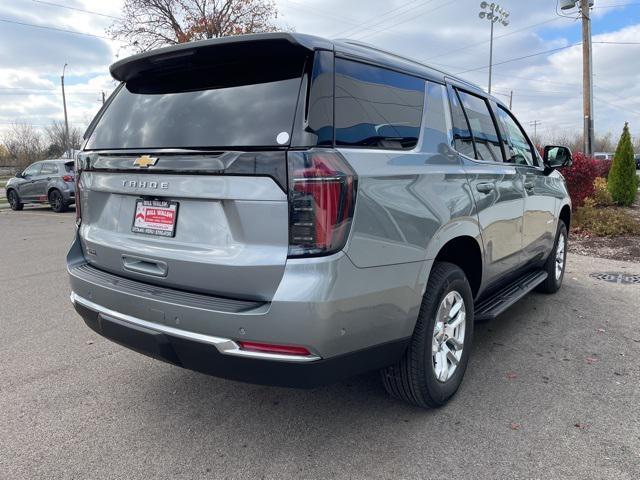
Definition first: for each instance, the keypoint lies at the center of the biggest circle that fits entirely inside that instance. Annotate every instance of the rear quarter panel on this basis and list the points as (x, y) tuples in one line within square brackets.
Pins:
[(409, 204)]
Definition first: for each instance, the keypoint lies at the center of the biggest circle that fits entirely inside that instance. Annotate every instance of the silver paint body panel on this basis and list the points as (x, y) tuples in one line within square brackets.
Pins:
[(232, 241)]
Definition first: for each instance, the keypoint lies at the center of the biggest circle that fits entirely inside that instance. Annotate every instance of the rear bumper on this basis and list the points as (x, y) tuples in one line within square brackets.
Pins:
[(222, 358), (351, 320)]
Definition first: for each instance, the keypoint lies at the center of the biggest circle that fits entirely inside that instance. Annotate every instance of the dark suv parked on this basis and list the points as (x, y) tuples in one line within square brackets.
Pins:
[(283, 209), (48, 181)]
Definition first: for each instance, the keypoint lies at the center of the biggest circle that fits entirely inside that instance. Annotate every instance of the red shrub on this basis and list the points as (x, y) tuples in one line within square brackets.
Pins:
[(603, 168), (580, 177)]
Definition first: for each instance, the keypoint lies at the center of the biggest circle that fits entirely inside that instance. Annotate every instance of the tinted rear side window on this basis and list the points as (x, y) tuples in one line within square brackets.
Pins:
[(376, 107), (240, 103), (462, 139), (482, 126), (48, 168)]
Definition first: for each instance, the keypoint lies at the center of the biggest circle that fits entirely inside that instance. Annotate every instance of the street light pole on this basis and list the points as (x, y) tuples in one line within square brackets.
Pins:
[(494, 13), (66, 121), (490, 56)]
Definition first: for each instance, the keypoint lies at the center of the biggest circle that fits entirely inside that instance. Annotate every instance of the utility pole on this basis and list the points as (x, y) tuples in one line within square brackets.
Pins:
[(587, 77), (534, 124), (510, 99), (64, 105)]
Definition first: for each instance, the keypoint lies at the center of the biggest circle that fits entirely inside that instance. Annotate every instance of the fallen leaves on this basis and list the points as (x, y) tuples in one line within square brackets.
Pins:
[(512, 375), (515, 426), (592, 360)]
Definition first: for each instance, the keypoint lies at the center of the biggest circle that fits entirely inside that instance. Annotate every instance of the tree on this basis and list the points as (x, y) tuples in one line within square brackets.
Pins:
[(57, 138), (23, 144), (604, 143), (623, 182), (149, 24)]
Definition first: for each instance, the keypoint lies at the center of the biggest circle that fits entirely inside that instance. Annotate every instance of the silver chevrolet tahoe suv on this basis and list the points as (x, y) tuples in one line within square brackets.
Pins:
[(286, 210)]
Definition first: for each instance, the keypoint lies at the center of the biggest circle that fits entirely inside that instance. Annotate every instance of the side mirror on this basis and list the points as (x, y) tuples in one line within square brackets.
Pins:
[(557, 157), (19, 175)]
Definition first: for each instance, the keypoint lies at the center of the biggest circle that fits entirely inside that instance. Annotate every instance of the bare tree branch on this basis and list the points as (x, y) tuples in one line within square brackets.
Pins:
[(148, 24)]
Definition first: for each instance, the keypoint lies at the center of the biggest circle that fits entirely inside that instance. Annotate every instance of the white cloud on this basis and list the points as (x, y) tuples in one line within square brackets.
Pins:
[(446, 33)]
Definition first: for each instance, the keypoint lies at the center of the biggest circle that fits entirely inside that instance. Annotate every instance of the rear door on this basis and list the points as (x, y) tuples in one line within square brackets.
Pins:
[(192, 193), (497, 187), (49, 171)]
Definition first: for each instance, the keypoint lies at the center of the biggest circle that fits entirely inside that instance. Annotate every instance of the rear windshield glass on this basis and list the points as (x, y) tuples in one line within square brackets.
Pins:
[(240, 103), (69, 167)]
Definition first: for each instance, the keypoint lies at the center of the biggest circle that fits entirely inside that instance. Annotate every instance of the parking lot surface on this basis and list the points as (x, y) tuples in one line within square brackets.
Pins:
[(552, 391)]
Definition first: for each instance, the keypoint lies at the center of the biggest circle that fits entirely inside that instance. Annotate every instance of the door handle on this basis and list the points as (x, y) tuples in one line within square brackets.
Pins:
[(485, 187), (144, 265), (48, 178)]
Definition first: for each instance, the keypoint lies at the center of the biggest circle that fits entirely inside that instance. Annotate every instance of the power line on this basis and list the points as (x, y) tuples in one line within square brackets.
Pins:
[(51, 4), (521, 58), (431, 10), (376, 19), (56, 29), (618, 43), (618, 5), (512, 32)]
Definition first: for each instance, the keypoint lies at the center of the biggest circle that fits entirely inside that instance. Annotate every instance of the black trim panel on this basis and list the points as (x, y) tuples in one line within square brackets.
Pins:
[(205, 358)]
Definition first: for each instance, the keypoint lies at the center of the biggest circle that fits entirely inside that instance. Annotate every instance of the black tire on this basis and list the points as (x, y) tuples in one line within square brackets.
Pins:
[(413, 379), (14, 200), (56, 200), (553, 282)]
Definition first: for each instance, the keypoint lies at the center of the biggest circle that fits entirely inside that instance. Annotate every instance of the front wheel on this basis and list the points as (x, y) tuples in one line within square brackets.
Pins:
[(14, 201), (56, 200), (556, 263), (432, 368)]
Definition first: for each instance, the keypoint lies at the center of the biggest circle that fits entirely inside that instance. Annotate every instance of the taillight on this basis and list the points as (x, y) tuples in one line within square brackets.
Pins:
[(78, 202), (322, 194), (68, 178)]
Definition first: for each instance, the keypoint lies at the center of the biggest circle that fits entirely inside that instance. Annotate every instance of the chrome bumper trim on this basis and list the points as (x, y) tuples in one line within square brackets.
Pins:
[(225, 346)]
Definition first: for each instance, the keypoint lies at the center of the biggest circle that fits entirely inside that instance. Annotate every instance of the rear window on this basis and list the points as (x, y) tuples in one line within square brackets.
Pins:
[(238, 103), (48, 168), (69, 167), (482, 127), (376, 107)]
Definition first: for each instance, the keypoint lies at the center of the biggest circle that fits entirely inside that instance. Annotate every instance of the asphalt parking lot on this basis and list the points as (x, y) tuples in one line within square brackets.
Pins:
[(552, 391)]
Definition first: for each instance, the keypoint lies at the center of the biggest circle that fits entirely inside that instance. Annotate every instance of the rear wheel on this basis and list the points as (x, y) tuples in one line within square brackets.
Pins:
[(14, 200), (556, 262), (56, 200), (432, 368)]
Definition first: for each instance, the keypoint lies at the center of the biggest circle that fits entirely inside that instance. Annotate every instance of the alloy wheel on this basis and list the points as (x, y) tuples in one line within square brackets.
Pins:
[(13, 199), (560, 251), (55, 200), (448, 336)]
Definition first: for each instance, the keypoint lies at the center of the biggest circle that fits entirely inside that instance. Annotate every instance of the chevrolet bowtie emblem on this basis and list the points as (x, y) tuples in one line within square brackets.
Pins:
[(144, 161)]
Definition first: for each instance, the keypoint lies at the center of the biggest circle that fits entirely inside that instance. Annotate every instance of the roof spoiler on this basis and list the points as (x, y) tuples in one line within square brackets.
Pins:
[(136, 65)]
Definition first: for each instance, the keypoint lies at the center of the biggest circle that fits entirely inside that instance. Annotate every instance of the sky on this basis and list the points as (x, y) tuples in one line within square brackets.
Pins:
[(447, 34)]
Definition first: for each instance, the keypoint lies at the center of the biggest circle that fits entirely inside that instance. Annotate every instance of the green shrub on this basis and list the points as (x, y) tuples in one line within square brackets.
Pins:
[(601, 195), (605, 221), (623, 182)]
